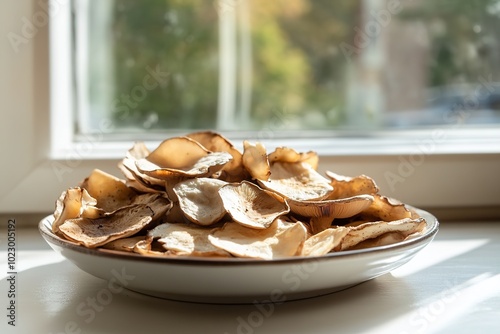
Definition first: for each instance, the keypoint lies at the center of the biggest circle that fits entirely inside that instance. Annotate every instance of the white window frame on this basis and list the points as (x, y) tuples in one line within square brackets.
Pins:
[(437, 168)]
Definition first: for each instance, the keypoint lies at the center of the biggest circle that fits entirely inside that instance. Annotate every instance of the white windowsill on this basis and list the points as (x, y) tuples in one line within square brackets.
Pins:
[(435, 292), (439, 141)]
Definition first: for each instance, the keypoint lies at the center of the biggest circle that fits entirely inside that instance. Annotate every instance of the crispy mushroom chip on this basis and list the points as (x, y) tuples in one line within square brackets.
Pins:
[(199, 200), (382, 240), (255, 160), (281, 239), (323, 213), (335, 208), (185, 240), (73, 203), (125, 244), (297, 181), (159, 203), (123, 223), (324, 241), (251, 206), (345, 186), (387, 209), (371, 230), (233, 171), (203, 167), (110, 192), (134, 178), (287, 154), (177, 153)]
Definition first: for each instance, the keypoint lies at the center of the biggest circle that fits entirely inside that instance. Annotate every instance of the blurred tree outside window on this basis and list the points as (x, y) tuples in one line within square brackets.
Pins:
[(286, 66)]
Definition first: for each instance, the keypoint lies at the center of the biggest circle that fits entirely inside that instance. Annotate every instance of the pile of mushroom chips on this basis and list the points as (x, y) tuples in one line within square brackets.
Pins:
[(198, 195)]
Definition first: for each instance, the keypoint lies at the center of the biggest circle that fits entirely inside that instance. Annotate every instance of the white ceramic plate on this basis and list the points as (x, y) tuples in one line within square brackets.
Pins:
[(235, 280)]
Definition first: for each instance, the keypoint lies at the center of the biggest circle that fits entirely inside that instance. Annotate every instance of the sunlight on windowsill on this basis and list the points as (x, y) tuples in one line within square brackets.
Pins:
[(438, 313), (441, 251)]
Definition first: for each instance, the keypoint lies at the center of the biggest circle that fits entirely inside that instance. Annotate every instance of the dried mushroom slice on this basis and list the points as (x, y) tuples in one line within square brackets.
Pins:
[(255, 160), (150, 248), (174, 160), (281, 239), (322, 243), (370, 230), (68, 206), (140, 186), (324, 212), (139, 150), (110, 192), (382, 240), (125, 244), (290, 238), (251, 206), (286, 154), (336, 208), (73, 203), (297, 181), (89, 206), (177, 153), (199, 200), (345, 186), (136, 179), (185, 240), (203, 167), (122, 223), (387, 209), (157, 202), (180, 158), (127, 165), (233, 171)]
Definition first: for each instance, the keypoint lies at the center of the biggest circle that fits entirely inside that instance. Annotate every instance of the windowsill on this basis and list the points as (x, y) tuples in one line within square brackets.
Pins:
[(440, 141), (437, 291)]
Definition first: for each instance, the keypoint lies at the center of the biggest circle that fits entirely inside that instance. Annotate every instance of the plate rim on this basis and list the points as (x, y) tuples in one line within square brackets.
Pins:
[(51, 238)]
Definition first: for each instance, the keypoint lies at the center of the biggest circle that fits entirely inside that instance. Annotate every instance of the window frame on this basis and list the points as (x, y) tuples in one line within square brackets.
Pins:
[(429, 168)]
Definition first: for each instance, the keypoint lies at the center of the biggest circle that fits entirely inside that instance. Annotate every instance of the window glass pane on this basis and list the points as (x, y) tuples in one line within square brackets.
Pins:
[(161, 64), (281, 65)]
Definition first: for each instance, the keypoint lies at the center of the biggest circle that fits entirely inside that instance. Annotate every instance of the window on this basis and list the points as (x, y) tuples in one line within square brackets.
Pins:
[(240, 65), (402, 91)]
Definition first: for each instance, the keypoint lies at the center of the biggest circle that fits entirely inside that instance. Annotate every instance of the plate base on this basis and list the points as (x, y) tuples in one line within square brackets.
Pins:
[(242, 300)]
